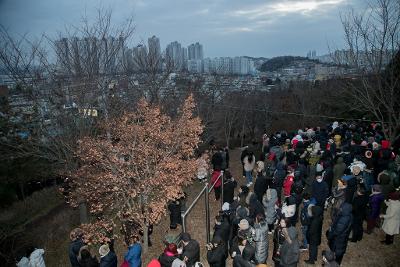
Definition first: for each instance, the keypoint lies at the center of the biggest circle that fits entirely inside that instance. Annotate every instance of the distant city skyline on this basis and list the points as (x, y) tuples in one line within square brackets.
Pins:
[(224, 27)]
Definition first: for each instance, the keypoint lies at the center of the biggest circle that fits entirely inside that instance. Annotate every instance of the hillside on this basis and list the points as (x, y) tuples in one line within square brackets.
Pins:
[(277, 63)]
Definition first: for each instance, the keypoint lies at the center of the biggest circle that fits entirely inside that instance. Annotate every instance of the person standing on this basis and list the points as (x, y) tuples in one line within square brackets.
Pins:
[(133, 256), (75, 245), (216, 180), (202, 167), (191, 250), (314, 233), (249, 162), (261, 239), (269, 201), (391, 223), (216, 252), (359, 213), (290, 250), (375, 200), (107, 257), (229, 187), (320, 191), (338, 233)]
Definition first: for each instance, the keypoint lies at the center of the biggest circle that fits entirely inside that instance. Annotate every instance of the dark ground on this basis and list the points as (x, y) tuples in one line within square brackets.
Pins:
[(52, 231)]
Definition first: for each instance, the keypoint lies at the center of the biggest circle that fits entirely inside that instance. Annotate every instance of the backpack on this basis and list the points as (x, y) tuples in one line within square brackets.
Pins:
[(304, 218)]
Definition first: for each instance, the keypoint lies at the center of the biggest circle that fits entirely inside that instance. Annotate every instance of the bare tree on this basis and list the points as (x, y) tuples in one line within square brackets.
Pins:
[(373, 39)]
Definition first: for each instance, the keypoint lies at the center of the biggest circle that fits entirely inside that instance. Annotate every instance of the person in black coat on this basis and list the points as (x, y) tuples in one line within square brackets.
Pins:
[(229, 187), (107, 257), (320, 191), (351, 188), (216, 252), (191, 250), (86, 259), (360, 203), (314, 233), (175, 217), (242, 252), (255, 206), (338, 233), (260, 186), (217, 161), (222, 228), (75, 245)]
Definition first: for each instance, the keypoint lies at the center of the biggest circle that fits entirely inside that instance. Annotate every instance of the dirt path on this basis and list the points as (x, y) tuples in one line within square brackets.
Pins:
[(369, 252)]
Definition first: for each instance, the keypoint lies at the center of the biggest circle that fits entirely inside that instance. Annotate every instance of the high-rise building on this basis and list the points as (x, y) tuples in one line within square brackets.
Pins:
[(154, 56), (139, 58), (176, 56), (195, 51)]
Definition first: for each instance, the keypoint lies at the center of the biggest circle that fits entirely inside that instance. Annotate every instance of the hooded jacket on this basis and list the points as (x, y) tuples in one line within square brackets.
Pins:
[(290, 252), (269, 201), (338, 234), (391, 223)]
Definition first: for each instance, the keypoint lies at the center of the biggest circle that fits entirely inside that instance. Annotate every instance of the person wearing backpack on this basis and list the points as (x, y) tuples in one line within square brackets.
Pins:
[(305, 220)]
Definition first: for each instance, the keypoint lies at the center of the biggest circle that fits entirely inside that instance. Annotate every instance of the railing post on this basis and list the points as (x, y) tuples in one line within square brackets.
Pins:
[(207, 207), (222, 189), (183, 215)]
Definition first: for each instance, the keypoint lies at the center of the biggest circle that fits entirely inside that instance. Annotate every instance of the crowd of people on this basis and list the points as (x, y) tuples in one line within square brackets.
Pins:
[(343, 175)]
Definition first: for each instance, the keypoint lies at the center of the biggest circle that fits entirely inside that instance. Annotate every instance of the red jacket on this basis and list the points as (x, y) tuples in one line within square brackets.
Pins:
[(214, 177), (287, 185)]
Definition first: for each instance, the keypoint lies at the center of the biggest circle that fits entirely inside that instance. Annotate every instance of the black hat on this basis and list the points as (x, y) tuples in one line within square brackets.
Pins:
[(186, 237)]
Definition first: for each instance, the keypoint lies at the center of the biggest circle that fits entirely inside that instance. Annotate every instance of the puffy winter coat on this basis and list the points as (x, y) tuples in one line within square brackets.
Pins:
[(133, 256), (261, 242), (249, 166), (245, 258), (391, 223), (192, 252), (36, 258), (315, 228), (338, 234), (269, 201), (290, 252)]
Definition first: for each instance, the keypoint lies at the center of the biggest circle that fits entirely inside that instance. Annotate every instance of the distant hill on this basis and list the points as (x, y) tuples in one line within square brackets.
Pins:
[(277, 63)]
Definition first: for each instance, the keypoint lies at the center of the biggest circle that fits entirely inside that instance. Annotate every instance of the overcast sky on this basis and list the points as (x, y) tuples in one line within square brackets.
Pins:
[(225, 27)]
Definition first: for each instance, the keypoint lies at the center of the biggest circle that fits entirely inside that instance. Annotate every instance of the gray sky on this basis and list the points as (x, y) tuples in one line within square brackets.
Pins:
[(224, 27)]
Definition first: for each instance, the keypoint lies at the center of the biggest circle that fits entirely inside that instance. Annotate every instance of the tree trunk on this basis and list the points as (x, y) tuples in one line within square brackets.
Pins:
[(83, 214), (145, 238)]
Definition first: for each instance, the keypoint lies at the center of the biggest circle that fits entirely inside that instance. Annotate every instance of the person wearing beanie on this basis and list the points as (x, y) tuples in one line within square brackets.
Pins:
[(154, 263), (242, 252), (222, 228), (107, 257), (391, 219), (75, 245), (375, 200), (178, 263)]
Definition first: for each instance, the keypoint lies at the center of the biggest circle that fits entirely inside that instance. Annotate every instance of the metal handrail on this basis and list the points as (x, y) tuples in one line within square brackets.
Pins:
[(205, 191)]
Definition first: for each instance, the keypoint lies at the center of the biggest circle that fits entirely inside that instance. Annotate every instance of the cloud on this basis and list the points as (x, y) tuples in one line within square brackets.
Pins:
[(285, 8)]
